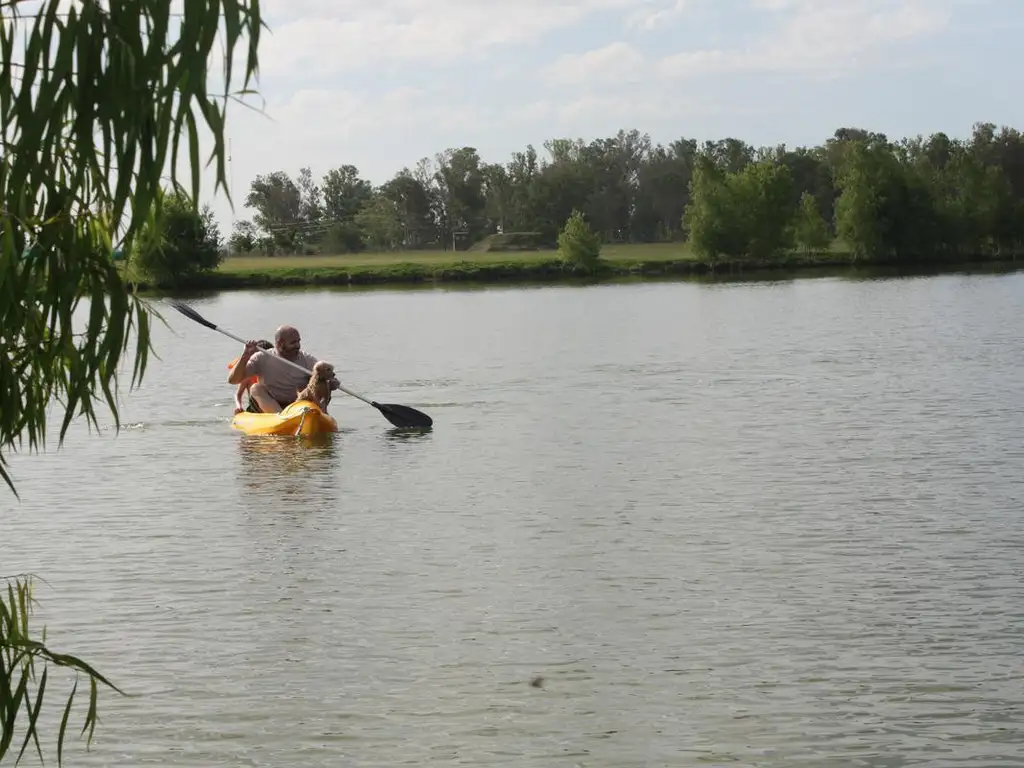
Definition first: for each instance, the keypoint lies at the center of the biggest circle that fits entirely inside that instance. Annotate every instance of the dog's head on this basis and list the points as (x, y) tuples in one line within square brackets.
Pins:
[(323, 370)]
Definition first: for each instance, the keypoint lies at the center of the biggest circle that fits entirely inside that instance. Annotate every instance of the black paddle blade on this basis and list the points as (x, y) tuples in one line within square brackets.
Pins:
[(404, 417), (190, 313)]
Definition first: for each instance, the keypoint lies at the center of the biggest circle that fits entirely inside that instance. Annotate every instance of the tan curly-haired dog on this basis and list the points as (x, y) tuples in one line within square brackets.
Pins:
[(319, 388)]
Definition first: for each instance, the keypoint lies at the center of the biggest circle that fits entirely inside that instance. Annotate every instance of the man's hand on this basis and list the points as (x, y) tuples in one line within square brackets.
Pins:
[(237, 374)]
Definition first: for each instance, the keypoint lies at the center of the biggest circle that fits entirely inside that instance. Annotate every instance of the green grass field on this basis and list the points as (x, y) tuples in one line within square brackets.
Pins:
[(417, 267), (252, 271), (368, 260)]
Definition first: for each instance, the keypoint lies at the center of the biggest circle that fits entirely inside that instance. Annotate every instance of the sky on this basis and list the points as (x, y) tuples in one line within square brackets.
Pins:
[(380, 85)]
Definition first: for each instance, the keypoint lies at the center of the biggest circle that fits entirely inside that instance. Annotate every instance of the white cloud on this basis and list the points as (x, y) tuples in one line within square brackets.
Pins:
[(325, 37), (816, 38), (821, 38), (775, 5), (653, 18), (603, 114), (615, 63)]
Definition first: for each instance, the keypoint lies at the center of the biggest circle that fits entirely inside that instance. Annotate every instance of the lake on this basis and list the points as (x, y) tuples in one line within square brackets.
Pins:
[(656, 523)]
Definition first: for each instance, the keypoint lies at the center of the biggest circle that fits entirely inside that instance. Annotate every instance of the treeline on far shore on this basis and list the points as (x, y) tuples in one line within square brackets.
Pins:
[(913, 198)]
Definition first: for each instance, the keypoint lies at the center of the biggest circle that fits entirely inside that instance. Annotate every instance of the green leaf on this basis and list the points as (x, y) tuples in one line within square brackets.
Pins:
[(64, 724), (193, 140), (33, 720)]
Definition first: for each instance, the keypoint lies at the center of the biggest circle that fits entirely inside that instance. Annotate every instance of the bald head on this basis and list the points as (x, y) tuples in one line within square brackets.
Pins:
[(284, 331), (287, 341)]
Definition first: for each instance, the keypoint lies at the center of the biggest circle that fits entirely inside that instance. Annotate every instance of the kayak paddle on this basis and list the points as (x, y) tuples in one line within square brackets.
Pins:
[(400, 415)]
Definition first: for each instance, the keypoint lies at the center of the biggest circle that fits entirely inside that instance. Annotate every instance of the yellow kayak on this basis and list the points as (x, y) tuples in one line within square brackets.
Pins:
[(302, 417)]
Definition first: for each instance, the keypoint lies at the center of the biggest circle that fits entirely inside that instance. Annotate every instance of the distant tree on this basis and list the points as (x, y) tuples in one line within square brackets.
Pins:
[(577, 245), (710, 216), (810, 230), (278, 205), (344, 194), (244, 237), (740, 213), (497, 200), (380, 224), (761, 194), (343, 237), (179, 242), (663, 191), (413, 204), (921, 195), (311, 208), (860, 207), (976, 203), (885, 208), (459, 181)]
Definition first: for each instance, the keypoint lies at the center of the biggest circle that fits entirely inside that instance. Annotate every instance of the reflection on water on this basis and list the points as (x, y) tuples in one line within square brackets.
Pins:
[(402, 435), (291, 452), (276, 469)]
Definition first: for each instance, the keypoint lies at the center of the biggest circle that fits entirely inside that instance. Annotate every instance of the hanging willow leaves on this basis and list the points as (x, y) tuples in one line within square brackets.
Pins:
[(92, 98)]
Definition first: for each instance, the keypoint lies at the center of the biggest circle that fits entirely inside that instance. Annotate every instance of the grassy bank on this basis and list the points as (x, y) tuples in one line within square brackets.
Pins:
[(412, 267)]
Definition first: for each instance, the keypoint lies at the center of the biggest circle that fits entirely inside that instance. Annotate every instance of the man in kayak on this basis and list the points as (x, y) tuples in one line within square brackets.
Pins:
[(278, 383)]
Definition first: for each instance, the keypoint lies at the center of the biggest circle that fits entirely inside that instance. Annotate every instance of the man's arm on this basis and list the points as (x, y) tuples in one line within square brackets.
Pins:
[(240, 372), (238, 399)]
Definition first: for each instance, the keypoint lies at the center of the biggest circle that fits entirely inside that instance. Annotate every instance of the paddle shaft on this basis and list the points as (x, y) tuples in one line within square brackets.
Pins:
[(294, 365)]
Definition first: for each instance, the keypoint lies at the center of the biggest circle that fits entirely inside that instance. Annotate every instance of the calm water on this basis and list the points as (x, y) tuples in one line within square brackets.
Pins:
[(758, 524)]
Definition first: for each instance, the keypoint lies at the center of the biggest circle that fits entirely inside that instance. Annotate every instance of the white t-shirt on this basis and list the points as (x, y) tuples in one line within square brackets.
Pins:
[(281, 380)]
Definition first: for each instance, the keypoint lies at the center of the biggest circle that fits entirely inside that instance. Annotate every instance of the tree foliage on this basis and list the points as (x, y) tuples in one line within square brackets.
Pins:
[(708, 215), (97, 101), (379, 223), (577, 245), (244, 237), (24, 671), (179, 242), (810, 230), (742, 212), (881, 198)]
